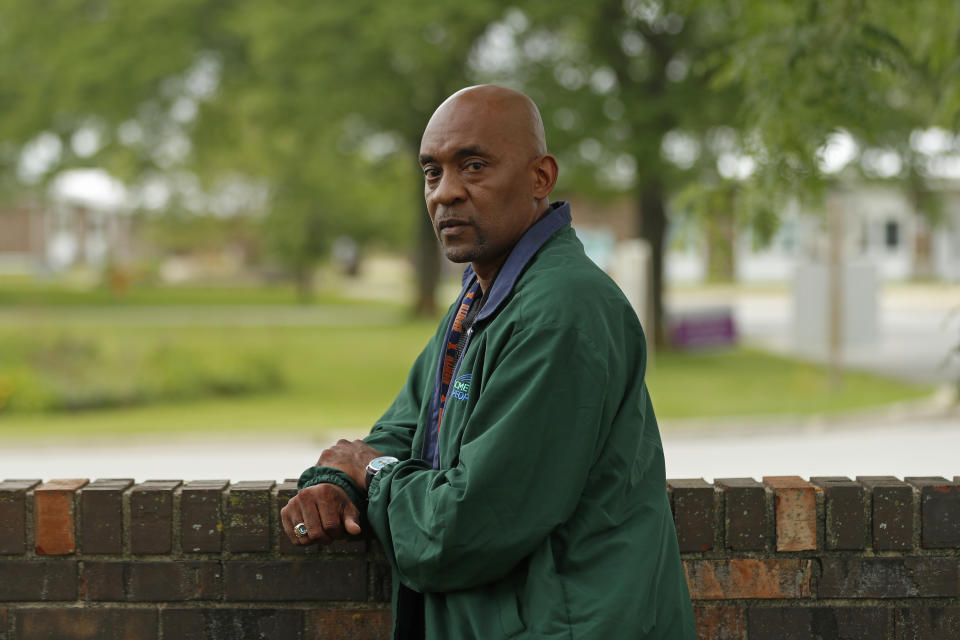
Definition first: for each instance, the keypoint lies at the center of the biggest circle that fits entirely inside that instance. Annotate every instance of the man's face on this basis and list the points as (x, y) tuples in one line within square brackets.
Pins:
[(478, 185)]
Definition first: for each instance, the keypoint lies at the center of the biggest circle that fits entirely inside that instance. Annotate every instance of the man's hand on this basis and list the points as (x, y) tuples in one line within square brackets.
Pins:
[(327, 512), (350, 457)]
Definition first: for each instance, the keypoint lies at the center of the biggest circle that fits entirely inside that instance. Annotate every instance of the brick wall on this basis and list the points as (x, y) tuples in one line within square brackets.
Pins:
[(780, 559)]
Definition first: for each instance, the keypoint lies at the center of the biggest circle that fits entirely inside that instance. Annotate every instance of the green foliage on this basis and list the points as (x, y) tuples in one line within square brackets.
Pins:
[(61, 371), (746, 382)]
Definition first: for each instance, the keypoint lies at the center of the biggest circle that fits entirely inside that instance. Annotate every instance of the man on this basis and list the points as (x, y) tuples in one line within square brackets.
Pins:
[(517, 482)]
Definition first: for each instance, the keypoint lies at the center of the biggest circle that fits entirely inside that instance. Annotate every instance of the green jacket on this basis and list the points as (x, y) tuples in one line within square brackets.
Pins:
[(548, 516)]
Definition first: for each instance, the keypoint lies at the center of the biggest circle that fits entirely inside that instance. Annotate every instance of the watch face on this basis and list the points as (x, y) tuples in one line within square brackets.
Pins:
[(379, 463)]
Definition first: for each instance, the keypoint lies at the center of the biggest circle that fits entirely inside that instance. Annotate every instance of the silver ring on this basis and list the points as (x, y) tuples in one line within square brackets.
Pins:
[(300, 529)]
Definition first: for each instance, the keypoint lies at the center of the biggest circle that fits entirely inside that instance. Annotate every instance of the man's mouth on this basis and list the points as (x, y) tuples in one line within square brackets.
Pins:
[(452, 226)]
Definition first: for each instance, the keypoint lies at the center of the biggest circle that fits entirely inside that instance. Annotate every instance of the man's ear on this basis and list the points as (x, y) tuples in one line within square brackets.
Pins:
[(545, 172)]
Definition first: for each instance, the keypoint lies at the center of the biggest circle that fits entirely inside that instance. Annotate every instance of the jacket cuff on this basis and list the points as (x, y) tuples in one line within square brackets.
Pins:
[(318, 475)]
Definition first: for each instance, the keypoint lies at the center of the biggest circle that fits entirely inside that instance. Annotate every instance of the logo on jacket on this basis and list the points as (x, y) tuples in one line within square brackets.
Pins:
[(461, 387)]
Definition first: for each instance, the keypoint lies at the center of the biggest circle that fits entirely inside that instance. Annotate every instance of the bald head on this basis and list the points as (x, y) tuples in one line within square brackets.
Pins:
[(511, 112)]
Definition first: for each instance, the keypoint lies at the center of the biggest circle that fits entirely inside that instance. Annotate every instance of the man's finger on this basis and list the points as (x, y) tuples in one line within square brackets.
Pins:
[(351, 519), (289, 516), (330, 517), (311, 517)]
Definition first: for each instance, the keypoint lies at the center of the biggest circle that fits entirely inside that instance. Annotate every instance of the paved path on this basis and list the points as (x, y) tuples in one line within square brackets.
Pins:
[(929, 446)]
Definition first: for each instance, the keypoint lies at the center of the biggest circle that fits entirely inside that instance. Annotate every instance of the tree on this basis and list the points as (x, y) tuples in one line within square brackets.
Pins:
[(619, 80)]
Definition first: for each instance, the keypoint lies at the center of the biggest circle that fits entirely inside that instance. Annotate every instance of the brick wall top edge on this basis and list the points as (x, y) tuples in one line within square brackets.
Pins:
[(687, 483), (736, 482), (831, 480), (879, 481), (252, 485), (206, 484), (929, 481), (157, 485), (108, 484), (18, 485), (786, 482), (63, 484)]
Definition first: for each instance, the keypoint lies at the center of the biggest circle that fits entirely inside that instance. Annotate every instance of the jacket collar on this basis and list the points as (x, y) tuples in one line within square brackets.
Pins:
[(557, 217)]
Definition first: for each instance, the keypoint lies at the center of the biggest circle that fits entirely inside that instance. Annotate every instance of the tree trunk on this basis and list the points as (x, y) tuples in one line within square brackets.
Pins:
[(652, 222), (304, 279), (721, 239), (427, 262)]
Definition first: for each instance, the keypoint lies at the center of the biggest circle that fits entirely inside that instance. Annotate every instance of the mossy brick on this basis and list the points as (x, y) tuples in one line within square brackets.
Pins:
[(209, 624), (348, 624), (736, 578), (248, 511), (891, 512), (745, 513), (692, 501), (54, 522), (845, 512), (923, 622), (855, 577), (86, 624), (795, 512), (718, 621), (101, 515), (201, 516), (804, 623), (939, 512), (38, 581), (151, 516), (13, 515), (152, 581), (296, 579)]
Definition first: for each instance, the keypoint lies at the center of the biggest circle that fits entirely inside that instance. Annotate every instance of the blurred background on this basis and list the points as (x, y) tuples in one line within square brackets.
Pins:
[(215, 257)]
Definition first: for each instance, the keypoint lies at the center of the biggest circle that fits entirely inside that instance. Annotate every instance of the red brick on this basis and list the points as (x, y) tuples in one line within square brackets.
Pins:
[(348, 624), (249, 507), (749, 578), (718, 622), (151, 516), (795, 508), (201, 518), (294, 579), (693, 513), (212, 624), (101, 515), (13, 515), (53, 516), (86, 624), (745, 513)]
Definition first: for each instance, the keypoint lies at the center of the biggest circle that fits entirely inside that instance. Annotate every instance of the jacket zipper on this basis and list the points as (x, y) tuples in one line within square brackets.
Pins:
[(453, 379)]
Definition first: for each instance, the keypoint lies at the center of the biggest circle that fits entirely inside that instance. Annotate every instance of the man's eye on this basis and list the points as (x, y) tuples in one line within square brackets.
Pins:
[(476, 165), (431, 173)]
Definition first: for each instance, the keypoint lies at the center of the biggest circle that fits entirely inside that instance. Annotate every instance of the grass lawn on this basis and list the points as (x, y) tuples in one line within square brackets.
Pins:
[(330, 377)]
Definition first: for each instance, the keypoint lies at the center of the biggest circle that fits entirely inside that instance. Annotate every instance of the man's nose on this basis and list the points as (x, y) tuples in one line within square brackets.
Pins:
[(449, 190)]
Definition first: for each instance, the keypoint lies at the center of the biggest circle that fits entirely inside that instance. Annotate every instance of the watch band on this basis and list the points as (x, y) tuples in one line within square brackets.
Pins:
[(375, 466)]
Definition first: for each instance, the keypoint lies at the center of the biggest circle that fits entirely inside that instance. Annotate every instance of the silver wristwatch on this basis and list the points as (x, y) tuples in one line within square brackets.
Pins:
[(376, 465)]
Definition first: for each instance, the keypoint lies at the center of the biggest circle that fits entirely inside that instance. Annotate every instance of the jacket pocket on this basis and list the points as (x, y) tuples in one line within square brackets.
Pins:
[(509, 607)]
